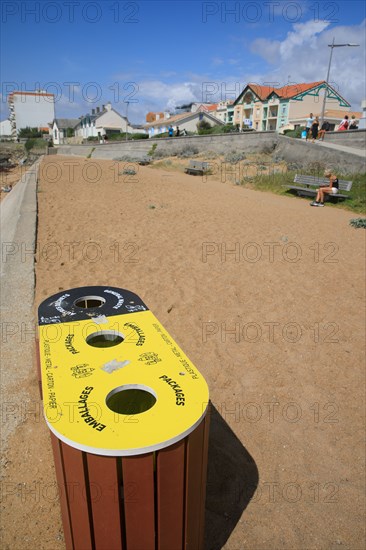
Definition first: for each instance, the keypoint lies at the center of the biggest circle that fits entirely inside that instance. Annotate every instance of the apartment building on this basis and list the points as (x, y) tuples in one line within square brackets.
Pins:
[(34, 109), (266, 108)]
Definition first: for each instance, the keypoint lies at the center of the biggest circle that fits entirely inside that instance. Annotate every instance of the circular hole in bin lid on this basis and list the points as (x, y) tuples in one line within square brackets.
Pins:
[(131, 399), (88, 302), (104, 339)]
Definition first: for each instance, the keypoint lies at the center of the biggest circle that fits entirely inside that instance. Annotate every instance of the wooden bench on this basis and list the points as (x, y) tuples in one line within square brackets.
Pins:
[(308, 185), (144, 161), (197, 168)]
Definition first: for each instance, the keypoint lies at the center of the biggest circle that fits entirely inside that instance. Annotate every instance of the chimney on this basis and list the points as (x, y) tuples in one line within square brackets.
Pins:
[(93, 111), (109, 106), (103, 107), (98, 110)]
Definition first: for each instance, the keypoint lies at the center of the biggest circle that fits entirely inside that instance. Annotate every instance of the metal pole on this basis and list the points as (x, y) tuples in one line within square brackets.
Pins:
[(326, 85), (331, 46), (127, 103)]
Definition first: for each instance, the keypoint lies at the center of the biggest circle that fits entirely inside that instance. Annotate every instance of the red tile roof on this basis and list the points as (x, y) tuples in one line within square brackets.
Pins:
[(288, 91), (31, 93)]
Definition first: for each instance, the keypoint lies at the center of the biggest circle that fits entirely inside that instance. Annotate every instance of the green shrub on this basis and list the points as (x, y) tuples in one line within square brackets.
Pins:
[(203, 127), (294, 133), (358, 223), (234, 156), (152, 150), (29, 133), (29, 144), (139, 136), (187, 151), (163, 135), (125, 158), (161, 154), (129, 172)]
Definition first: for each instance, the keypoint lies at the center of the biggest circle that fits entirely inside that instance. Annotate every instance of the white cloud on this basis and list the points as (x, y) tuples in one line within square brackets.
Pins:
[(303, 36), (267, 49), (168, 95), (303, 56)]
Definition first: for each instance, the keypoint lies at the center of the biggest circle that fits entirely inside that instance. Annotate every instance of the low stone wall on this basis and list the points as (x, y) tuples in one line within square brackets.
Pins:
[(302, 154), (291, 150), (350, 138), (246, 141)]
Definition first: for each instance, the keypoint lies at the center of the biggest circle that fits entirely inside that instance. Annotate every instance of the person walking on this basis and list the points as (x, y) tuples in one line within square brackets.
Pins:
[(314, 129), (309, 122)]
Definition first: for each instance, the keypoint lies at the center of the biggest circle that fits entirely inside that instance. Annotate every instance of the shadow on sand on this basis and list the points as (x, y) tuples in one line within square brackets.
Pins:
[(231, 482)]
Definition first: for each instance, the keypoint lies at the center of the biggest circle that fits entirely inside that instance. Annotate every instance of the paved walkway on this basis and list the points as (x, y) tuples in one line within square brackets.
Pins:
[(343, 148), (18, 220)]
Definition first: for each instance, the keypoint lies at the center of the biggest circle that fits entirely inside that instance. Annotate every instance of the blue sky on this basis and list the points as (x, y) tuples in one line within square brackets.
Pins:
[(159, 55)]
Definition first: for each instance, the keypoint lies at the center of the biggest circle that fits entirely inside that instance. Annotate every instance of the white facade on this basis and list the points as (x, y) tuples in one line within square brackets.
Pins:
[(100, 122), (186, 122), (33, 109), (59, 127), (362, 123), (5, 128)]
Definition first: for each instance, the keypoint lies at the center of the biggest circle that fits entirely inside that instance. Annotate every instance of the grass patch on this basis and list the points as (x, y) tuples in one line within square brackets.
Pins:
[(168, 164), (273, 183)]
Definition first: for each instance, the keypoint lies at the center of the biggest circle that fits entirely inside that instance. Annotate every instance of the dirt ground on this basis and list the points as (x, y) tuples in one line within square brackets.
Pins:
[(266, 297), (11, 176)]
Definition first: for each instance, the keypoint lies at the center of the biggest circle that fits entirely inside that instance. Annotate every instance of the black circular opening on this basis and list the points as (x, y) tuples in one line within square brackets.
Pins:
[(130, 400), (88, 302), (104, 339)]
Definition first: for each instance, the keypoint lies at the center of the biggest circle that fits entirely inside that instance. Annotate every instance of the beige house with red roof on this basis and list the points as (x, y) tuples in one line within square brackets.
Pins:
[(267, 108)]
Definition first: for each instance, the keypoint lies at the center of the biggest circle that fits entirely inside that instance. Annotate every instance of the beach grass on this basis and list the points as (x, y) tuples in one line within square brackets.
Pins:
[(276, 183)]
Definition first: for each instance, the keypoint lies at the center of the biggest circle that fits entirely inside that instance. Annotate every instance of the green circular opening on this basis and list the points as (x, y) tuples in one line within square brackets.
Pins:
[(104, 339), (130, 400)]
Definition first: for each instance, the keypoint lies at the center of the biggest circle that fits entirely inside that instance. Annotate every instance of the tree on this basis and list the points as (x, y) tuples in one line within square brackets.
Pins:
[(29, 133), (203, 126)]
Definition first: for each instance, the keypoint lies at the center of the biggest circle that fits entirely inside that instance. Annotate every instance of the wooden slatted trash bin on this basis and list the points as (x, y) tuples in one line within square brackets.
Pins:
[(127, 412)]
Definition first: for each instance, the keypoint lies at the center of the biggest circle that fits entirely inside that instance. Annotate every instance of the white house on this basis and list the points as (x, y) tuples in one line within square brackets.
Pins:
[(185, 121), (104, 121), (5, 129), (59, 129)]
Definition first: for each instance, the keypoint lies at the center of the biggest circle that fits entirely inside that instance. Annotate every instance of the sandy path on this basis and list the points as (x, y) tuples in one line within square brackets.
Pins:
[(265, 295)]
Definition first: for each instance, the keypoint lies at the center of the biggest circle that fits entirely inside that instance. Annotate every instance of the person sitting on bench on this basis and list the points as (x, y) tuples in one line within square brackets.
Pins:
[(332, 188), (324, 129)]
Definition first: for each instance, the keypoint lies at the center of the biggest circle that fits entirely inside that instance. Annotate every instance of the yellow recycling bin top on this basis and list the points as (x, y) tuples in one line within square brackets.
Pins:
[(114, 382)]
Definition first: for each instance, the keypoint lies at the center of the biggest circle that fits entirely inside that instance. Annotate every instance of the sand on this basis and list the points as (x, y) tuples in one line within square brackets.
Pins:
[(266, 297)]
